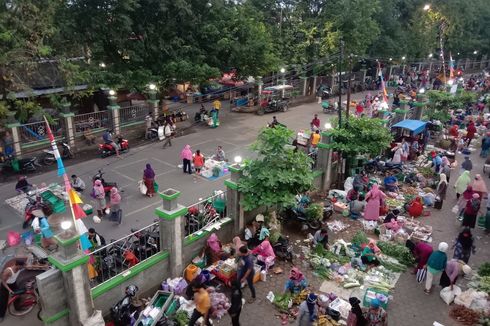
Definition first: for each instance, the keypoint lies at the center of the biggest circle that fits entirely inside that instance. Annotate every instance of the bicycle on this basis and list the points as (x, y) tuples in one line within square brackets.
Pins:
[(23, 301)]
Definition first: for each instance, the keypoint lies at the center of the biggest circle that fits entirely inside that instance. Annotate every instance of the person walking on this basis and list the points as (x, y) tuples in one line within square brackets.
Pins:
[(186, 156), (167, 132), (479, 186), (435, 265), (198, 161), (464, 246), (471, 211), (441, 190), (203, 305), (470, 132), (446, 167), (308, 311), (149, 180), (99, 195), (246, 270), (485, 145), (115, 203), (467, 165), (463, 181), (375, 198), (236, 303)]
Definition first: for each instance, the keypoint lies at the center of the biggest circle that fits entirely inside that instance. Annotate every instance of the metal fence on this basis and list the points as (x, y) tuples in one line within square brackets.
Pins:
[(120, 255), (205, 213), (92, 121), (35, 132), (132, 114)]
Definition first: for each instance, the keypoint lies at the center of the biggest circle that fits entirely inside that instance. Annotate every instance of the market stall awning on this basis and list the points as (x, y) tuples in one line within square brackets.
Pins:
[(415, 126)]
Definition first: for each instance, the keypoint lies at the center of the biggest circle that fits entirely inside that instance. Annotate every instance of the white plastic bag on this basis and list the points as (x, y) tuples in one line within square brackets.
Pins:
[(142, 187), (455, 209), (448, 295)]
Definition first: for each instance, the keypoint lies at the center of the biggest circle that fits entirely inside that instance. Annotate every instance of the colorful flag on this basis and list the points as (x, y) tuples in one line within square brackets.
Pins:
[(56, 152), (383, 86)]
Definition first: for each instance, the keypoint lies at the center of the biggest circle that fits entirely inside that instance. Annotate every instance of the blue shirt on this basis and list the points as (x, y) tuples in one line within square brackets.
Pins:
[(107, 137), (244, 265), (389, 180)]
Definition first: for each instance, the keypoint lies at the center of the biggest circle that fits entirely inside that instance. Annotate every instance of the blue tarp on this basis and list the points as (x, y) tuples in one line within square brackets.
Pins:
[(415, 126)]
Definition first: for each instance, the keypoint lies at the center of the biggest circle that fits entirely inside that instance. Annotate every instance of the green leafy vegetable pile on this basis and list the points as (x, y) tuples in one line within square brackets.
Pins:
[(401, 253), (484, 269)]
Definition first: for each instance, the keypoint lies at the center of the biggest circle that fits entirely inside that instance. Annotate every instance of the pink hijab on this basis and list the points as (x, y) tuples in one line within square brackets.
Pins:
[(375, 193), (186, 153), (213, 243), (98, 187), (264, 249), (479, 185)]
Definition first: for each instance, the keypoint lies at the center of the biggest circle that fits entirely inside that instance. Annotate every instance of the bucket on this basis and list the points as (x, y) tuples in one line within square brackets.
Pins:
[(191, 272)]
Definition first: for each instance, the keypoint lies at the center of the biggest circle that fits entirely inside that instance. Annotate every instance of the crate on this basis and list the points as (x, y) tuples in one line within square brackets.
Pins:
[(161, 301), (371, 294)]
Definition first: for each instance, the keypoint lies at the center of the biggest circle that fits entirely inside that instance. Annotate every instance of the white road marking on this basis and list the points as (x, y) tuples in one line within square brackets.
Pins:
[(130, 163), (166, 172), (143, 208), (125, 176), (163, 162)]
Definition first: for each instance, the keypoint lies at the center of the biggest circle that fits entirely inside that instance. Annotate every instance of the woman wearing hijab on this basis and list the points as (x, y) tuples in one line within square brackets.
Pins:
[(435, 265), (421, 251), (186, 157), (485, 145), (446, 168), (149, 180), (356, 315), (441, 189), (213, 248), (374, 198), (479, 186), (296, 282), (237, 243), (265, 254), (99, 194), (308, 311), (462, 183), (376, 315), (115, 201), (236, 303), (471, 211), (464, 245)]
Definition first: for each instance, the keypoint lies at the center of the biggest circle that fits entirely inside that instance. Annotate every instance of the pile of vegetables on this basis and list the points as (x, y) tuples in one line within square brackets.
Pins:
[(480, 283), (392, 264), (393, 202), (323, 272), (359, 238), (281, 301), (484, 269), (219, 305), (182, 318), (401, 253), (326, 321), (464, 315), (324, 253)]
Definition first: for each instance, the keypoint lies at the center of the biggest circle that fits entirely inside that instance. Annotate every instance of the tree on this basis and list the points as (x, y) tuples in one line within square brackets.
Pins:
[(440, 103), (277, 174), (360, 136)]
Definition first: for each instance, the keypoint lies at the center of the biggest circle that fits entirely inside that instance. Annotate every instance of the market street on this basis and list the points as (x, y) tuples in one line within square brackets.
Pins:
[(409, 305)]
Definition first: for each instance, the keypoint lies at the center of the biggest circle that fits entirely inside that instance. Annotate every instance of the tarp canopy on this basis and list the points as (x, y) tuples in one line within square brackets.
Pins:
[(415, 126)]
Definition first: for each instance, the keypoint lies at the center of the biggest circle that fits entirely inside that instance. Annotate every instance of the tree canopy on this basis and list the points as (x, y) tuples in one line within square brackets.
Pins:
[(277, 174)]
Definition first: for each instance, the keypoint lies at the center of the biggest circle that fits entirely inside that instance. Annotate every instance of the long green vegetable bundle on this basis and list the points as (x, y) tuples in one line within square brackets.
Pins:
[(401, 253), (322, 252)]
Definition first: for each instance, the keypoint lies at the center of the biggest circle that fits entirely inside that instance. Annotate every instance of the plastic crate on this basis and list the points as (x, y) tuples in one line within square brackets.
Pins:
[(219, 205), (371, 293)]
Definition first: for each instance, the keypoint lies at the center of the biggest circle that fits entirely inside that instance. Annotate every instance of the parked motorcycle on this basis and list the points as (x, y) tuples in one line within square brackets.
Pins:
[(157, 132), (13, 165), (35, 208), (283, 249), (107, 149), (298, 213), (378, 165), (107, 185), (146, 244), (65, 153), (123, 311)]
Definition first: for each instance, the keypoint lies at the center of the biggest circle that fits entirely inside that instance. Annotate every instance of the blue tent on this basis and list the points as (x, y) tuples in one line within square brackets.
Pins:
[(415, 126)]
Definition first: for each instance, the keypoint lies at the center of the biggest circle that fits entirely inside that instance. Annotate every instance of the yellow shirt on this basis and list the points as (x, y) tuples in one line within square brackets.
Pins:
[(315, 139), (217, 105), (203, 302)]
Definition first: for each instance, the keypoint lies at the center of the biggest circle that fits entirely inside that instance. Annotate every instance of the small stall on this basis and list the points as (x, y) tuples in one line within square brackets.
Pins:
[(214, 169), (410, 130), (54, 195)]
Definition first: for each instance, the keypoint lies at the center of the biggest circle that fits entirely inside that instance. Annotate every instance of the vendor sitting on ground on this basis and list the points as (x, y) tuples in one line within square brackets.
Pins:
[(368, 256), (251, 235), (352, 194), (391, 220), (356, 207), (213, 250), (265, 254), (296, 282), (390, 182), (415, 208), (321, 238), (361, 181)]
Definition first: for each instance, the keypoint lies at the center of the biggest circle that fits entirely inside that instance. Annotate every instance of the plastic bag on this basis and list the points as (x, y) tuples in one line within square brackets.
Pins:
[(142, 187), (455, 209), (13, 238), (421, 275), (448, 295)]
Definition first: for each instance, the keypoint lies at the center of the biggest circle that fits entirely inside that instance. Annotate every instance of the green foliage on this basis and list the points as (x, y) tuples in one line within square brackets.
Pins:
[(360, 238), (400, 252), (484, 269), (440, 103), (360, 136), (314, 211), (26, 109), (277, 174)]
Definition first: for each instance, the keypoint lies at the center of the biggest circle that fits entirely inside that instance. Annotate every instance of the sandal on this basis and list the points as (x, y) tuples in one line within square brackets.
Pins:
[(427, 292), (251, 300)]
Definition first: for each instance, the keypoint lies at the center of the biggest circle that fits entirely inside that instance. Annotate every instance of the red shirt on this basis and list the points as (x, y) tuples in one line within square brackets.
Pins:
[(316, 122), (470, 130), (415, 209)]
